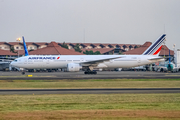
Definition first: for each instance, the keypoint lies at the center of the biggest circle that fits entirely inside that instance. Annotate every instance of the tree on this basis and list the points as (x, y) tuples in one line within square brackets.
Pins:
[(12, 49), (77, 48), (97, 53), (64, 45), (31, 50), (86, 52), (120, 53), (91, 52)]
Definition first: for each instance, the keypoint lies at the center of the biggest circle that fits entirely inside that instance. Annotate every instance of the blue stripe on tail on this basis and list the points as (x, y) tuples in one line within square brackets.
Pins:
[(155, 45), (159, 44), (25, 48)]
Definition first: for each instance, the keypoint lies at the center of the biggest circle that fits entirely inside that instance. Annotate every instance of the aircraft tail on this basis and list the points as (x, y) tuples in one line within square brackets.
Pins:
[(25, 48), (155, 48)]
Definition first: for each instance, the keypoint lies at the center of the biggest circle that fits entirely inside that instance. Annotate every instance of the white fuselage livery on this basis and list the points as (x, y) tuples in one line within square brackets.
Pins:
[(62, 61)]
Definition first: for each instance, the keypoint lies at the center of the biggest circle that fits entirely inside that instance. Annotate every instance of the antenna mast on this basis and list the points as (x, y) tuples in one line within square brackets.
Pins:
[(84, 35)]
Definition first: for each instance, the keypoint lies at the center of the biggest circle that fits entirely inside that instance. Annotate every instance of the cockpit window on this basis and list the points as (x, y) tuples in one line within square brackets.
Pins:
[(15, 60)]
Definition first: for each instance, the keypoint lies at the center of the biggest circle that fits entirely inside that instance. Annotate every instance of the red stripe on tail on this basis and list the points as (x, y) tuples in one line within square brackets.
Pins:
[(158, 51)]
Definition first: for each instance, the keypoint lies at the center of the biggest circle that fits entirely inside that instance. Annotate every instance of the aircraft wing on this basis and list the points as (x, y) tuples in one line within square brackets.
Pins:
[(98, 61)]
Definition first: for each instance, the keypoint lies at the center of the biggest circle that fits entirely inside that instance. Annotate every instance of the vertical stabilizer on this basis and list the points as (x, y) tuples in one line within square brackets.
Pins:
[(155, 48), (25, 48)]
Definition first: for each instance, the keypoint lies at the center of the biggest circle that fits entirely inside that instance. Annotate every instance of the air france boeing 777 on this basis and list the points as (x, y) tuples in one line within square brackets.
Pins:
[(89, 62)]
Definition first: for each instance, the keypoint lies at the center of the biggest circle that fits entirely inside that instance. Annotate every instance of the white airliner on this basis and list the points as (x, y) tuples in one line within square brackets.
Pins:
[(89, 62)]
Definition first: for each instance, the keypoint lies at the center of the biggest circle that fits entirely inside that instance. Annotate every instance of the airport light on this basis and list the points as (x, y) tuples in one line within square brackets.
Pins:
[(18, 39)]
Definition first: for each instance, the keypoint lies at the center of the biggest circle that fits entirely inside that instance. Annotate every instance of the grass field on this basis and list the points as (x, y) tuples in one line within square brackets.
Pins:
[(90, 106), (112, 106), (106, 83)]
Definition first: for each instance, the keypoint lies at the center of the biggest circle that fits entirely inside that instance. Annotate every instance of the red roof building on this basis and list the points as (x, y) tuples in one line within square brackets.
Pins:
[(5, 46), (7, 53), (101, 50), (54, 49)]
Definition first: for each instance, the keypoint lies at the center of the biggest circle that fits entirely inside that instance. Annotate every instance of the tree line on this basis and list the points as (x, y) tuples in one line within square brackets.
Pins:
[(78, 49)]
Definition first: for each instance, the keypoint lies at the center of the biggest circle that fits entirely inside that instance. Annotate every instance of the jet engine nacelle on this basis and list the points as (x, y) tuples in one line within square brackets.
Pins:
[(73, 67), (170, 67)]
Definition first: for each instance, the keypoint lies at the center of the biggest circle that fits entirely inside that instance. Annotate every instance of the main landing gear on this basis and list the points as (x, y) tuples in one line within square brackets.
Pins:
[(23, 72), (90, 72)]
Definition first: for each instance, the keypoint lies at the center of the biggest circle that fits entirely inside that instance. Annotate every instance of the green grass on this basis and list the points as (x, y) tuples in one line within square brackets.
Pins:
[(97, 83), (90, 106), (85, 80), (89, 102)]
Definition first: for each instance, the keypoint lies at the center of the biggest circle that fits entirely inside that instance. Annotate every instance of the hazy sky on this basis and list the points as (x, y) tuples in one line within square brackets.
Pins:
[(102, 21)]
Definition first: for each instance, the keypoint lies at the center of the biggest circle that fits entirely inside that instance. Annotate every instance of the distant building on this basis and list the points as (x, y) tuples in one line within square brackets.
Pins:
[(103, 48), (105, 51), (4, 46), (125, 47), (54, 49)]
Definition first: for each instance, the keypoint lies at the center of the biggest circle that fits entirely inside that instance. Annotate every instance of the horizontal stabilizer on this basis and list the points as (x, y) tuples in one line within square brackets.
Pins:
[(159, 58)]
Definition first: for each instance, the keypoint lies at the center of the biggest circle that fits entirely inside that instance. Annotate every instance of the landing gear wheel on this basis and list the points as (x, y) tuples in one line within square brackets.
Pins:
[(90, 72), (23, 73)]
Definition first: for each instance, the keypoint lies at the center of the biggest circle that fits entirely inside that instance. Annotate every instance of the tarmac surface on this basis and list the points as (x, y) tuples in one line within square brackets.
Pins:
[(89, 91), (81, 75)]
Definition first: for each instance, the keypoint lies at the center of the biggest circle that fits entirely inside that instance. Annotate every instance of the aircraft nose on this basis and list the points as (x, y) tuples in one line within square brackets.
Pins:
[(12, 63)]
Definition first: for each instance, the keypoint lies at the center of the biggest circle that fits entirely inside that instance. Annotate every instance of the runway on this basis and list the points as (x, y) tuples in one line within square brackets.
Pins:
[(88, 91), (81, 75)]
